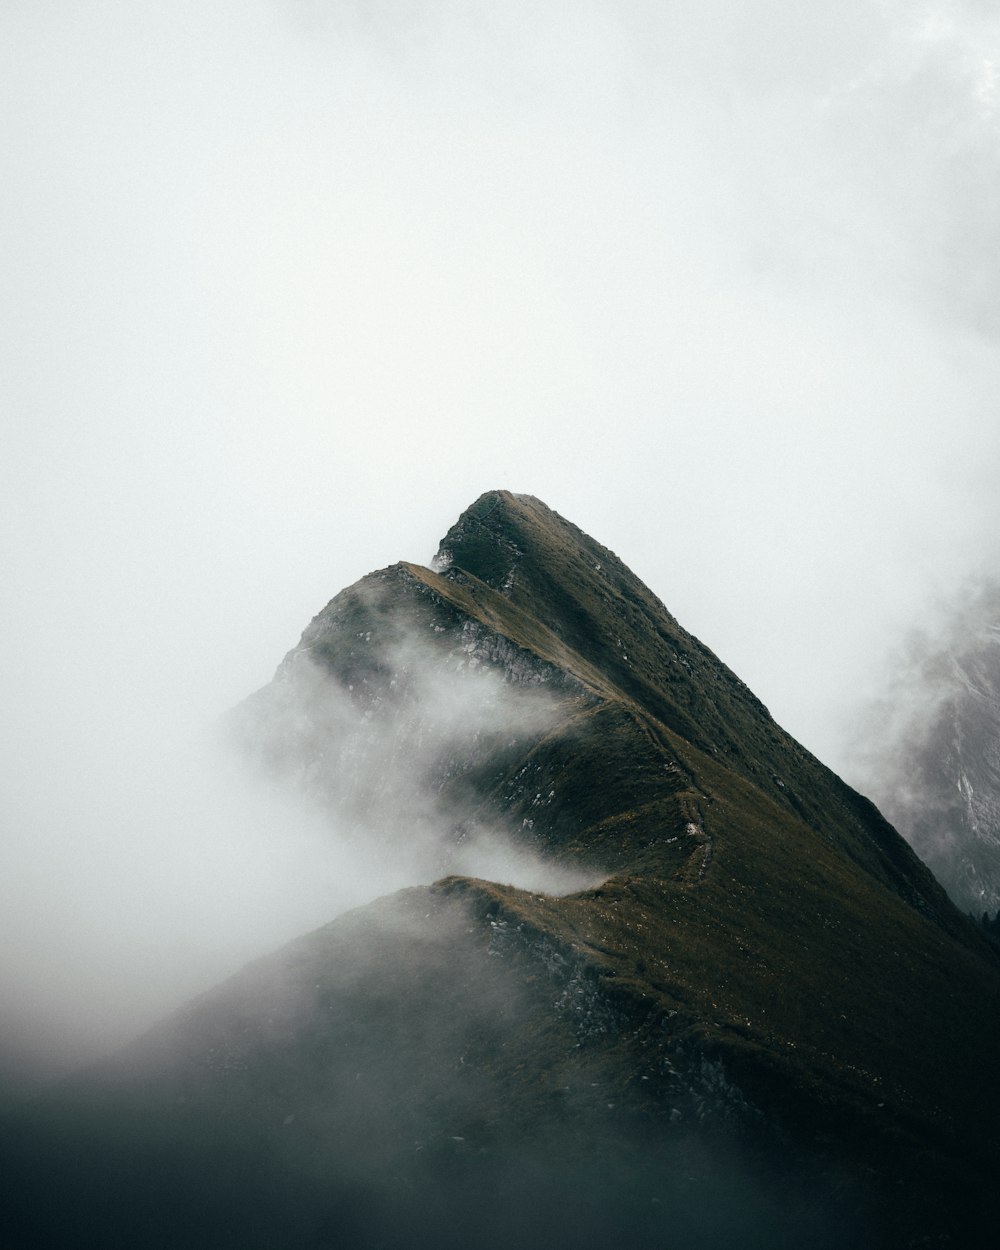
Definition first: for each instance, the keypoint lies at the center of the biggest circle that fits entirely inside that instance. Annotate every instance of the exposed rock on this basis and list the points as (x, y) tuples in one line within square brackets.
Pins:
[(932, 754)]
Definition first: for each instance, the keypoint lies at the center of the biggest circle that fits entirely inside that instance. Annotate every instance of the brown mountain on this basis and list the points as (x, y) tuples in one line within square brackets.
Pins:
[(760, 1021)]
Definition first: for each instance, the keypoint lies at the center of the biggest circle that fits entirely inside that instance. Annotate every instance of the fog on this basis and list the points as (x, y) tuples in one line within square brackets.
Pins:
[(288, 284), (381, 766), (927, 746), (202, 851)]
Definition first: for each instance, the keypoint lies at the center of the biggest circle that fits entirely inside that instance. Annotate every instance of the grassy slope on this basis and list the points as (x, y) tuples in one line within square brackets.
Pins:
[(755, 896), (814, 953), (595, 605), (760, 919)]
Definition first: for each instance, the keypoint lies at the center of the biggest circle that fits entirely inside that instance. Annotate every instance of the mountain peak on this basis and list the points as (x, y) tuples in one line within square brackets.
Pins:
[(500, 531), (742, 953), (488, 538)]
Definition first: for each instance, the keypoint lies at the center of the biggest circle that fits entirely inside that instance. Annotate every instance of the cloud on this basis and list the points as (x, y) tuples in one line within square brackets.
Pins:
[(144, 861), (287, 285), (390, 763)]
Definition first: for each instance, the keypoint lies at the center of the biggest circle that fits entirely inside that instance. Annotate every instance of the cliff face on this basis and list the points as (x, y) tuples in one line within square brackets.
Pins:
[(747, 1011)]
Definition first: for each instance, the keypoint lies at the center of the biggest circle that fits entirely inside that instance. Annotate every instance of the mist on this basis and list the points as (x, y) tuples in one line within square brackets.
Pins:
[(927, 747), (288, 284), (174, 860), (390, 765), (383, 1126)]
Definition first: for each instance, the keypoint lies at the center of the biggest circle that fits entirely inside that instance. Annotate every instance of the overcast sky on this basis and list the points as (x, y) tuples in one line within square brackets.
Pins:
[(288, 283)]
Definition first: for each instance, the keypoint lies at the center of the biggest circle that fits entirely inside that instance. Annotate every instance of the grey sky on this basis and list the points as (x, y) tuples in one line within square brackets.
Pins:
[(288, 284)]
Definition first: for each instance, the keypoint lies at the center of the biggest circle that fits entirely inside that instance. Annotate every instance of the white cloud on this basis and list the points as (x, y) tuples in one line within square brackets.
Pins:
[(288, 285)]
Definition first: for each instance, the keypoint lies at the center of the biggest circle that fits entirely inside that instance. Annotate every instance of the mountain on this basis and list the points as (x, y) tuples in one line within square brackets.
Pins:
[(709, 995), (932, 756)]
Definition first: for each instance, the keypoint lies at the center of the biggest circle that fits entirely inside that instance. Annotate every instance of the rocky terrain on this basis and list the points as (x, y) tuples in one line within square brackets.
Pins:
[(932, 753)]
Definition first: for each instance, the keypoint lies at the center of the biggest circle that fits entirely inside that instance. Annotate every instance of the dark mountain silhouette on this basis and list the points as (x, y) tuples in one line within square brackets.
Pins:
[(762, 1022)]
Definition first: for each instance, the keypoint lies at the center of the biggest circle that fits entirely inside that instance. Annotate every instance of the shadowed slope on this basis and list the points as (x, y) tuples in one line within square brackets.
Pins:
[(767, 1023), (599, 608)]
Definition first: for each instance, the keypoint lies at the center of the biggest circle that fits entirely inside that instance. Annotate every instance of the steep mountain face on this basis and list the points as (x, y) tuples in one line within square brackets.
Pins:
[(745, 1009), (934, 761)]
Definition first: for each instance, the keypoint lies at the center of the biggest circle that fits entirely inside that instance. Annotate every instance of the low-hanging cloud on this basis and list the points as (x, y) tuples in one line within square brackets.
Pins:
[(180, 857), (382, 759)]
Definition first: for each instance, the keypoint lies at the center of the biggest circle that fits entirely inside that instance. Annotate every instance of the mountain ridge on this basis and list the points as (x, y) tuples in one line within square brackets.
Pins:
[(759, 971), (462, 558)]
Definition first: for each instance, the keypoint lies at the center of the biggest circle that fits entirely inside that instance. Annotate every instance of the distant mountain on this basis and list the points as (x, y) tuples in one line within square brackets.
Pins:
[(747, 1015), (932, 754)]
